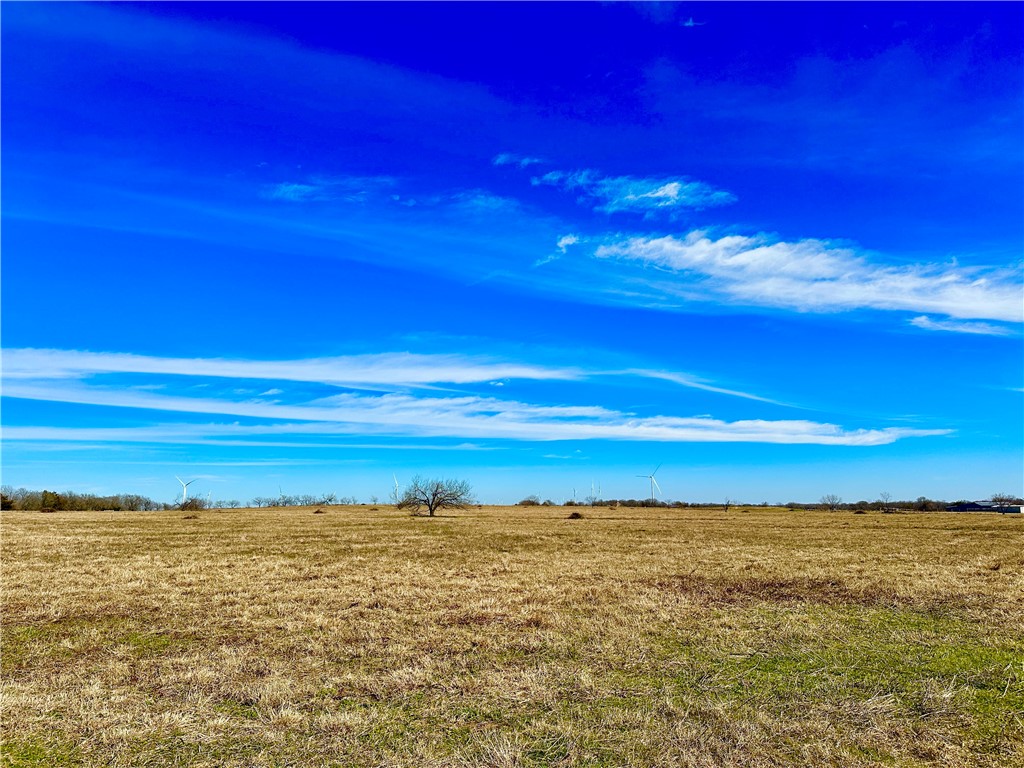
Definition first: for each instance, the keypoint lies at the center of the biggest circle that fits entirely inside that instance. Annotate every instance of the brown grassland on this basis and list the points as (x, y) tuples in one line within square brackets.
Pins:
[(512, 637)]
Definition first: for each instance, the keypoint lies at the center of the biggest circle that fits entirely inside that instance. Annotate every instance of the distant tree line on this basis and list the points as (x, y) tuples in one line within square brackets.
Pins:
[(593, 501), (23, 498), (829, 502), (69, 501), (302, 500), (886, 503)]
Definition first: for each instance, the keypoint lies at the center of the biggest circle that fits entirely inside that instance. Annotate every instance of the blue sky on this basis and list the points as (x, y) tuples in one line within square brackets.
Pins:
[(775, 249)]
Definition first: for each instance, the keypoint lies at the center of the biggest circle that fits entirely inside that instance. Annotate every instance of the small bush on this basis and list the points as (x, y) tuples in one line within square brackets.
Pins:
[(575, 516), (319, 512), (190, 517)]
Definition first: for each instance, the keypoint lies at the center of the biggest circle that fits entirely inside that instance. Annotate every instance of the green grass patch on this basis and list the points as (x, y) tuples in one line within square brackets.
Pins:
[(32, 752), (914, 666)]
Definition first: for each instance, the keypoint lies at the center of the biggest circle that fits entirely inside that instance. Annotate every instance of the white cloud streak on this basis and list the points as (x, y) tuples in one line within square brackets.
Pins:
[(479, 200), (378, 371), (76, 377), (955, 326), (388, 369), (562, 248), (695, 383), (565, 241), (649, 196), (351, 189), (220, 434), (817, 276), (479, 417), (510, 158)]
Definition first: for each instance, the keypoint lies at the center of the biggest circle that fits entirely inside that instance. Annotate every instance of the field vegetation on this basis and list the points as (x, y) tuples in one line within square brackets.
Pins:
[(363, 636)]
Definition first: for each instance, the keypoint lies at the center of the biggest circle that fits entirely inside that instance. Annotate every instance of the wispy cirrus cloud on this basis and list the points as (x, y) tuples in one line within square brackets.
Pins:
[(696, 383), (400, 369), (479, 200), (565, 241), (480, 418), (956, 326), (224, 434), (375, 371), (350, 189), (510, 158), (648, 196), (818, 276), (561, 248)]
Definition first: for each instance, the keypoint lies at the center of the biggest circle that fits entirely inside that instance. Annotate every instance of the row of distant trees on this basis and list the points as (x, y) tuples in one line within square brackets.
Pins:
[(830, 502), (303, 500), (886, 503), (594, 501), (25, 499), (431, 495)]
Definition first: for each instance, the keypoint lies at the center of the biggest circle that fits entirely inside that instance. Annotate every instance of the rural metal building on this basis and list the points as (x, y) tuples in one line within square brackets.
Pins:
[(983, 506)]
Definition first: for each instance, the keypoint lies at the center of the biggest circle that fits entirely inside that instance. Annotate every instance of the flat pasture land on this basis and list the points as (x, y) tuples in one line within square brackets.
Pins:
[(512, 637)]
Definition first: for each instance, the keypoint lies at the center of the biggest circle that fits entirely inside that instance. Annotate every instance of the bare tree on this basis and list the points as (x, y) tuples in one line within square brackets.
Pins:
[(726, 504), (194, 504), (1006, 500), (435, 494), (831, 501), (885, 500)]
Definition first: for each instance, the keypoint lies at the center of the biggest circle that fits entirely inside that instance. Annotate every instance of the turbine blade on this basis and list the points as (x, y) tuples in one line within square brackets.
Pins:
[(656, 470), (655, 483)]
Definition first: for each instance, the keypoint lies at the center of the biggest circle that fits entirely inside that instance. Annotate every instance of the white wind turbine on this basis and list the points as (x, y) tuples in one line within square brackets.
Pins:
[(654, 483), (184, 488)]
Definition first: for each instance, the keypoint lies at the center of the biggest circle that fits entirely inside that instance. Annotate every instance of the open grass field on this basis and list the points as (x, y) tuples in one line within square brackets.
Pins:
[(512, 637)]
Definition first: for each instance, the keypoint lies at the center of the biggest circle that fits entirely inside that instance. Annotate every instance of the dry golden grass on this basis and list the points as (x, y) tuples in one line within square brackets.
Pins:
[(512, 637)]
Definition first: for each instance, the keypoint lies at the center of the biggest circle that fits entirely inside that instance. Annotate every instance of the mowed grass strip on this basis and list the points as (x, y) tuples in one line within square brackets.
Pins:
[(512, 637)]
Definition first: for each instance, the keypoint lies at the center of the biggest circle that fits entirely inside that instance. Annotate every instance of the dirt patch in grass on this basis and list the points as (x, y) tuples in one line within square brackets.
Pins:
[(723, 590)]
